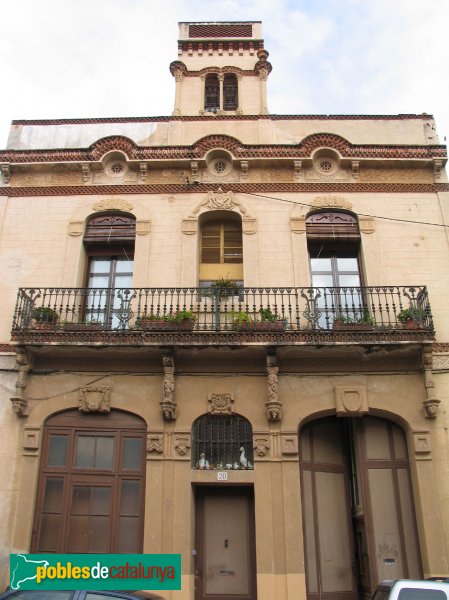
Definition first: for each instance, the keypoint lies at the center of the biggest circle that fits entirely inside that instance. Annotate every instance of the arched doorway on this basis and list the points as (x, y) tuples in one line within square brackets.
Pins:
[(359, 521), (91, 484)]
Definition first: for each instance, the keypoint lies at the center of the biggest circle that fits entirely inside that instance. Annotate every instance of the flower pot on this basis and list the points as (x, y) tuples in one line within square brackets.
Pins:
[(156, 324), (412, 324), (342, 326), (185, 325)]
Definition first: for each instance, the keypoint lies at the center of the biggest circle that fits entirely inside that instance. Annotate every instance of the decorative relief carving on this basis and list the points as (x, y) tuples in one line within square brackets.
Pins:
[(367, 225), (182, 443), (76, 228), (168, 404), (143, 170), (47, 179), (143, 227), (273, 405), (271, 175), (5, 170), (297, 169), (422, 445), (112, 204), (289, 443), (261, 444), (19, 402), (221, 404), (331, 202), (86, 171), (440, 362), (249, 226), (219, 200), (437, 166), (95, 399), (155, 443), (298, 224), (31, 438), (431, 403), (336, 174), (189, 226), (355, 167), (351, 400), (244, 169)]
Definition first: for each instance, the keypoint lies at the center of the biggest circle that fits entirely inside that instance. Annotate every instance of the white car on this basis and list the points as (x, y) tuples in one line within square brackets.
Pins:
[(412, 589)]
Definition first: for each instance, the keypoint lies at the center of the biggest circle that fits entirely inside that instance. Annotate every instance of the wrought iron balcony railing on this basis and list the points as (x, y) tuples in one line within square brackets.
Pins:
[(251, 311)]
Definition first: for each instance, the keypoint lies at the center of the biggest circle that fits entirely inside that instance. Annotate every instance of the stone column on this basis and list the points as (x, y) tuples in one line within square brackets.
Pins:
[(220, 80), (178, 78)]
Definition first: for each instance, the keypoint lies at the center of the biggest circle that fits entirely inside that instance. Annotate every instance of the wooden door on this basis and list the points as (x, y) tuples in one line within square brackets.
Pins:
[(225, 544)]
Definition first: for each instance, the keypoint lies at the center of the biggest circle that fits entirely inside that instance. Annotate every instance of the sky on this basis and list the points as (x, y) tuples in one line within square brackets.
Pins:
[(110, 58)]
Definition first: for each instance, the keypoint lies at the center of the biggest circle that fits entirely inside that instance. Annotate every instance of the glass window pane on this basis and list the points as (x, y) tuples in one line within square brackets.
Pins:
[(124, 265), (349, 280), (130, 498), (322, 281), (123, 281), (347, 264), (105, 452), (53, 494), (99, 281), (85, 448), (100, 265), (129, 535), (78, 538), (49, 533), (57, 451), (99, 534), (101, 500), (321, 264), (132, 453), (80, 500)]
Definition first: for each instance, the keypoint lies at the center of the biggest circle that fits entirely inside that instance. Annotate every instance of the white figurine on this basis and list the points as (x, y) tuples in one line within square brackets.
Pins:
[(244, 462), (203, 463)]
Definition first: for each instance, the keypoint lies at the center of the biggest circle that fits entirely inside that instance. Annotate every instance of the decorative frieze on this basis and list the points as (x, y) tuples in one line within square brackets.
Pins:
[(221, 404), (331, 202), (219, 200), (440, 362), (95, 399)]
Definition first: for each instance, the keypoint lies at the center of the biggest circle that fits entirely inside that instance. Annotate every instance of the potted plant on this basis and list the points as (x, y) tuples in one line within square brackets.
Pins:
[(155, 321), (185, 319), (226, 287), (270, 321), (44, 317), (412, 317), (360, 322), (242, 321)]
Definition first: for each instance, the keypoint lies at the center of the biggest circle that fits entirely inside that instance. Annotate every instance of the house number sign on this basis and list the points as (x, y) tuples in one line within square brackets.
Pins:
[(222, 476)]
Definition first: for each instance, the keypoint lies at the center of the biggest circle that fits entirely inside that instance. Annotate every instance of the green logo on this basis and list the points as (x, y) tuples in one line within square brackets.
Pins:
[(95, 571)]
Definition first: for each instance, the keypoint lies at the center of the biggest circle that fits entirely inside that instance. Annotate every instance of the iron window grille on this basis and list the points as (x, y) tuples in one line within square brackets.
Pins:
[(222, 442)]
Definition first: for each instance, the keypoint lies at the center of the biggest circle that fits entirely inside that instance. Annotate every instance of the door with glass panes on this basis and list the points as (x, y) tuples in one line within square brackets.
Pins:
[(109, 280), (91, 484)]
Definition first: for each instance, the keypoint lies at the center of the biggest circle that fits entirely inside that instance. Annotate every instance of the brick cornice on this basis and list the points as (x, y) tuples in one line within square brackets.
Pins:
[(250, 188), (272, 117), (304, 149)]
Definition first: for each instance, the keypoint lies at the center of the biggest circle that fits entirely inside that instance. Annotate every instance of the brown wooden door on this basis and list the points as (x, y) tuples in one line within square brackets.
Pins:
[(225, 544), (358, 516)]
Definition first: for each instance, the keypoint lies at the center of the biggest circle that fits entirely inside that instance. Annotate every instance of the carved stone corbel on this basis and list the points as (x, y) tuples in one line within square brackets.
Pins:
[(85, 168), (6, 172), (143, 168), (19, 401), (244, 169), (437, 166), (273, 405), (297, 168), (355, 167), (168, 404), (431, 403)]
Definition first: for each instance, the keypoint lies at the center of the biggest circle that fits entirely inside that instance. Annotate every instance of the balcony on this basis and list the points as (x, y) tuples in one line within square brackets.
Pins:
[(222, 317)]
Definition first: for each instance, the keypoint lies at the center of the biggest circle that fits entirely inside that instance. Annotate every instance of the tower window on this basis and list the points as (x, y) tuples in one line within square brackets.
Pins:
[(230, 92), (212, 94)]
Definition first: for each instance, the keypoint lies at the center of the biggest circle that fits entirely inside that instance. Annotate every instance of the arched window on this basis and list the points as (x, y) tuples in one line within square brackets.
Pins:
[(222, 442), (91, 484), (333, 240), (230, 92), (109, 242), (212, 93), (221, 249)]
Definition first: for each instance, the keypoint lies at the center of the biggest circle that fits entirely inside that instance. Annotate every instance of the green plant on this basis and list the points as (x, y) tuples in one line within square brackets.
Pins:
[(266, 314), (146, 317), (226, 286), (362, 319), (241, 318), (413, 313), (44, 314), (184, 315)]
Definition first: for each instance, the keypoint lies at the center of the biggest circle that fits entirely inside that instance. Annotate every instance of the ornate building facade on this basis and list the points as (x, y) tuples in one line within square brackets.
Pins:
[(225, 335)]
